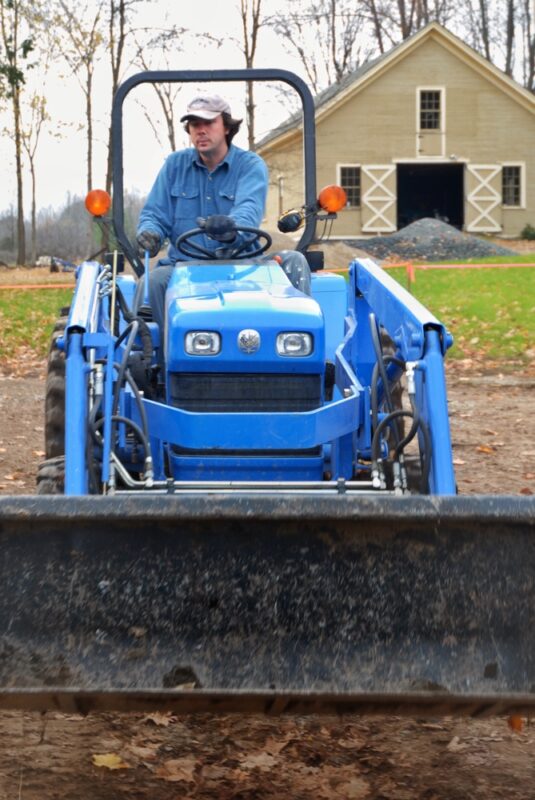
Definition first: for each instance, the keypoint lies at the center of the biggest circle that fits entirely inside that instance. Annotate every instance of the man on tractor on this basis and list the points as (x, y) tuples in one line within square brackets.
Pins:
[(214, 185)]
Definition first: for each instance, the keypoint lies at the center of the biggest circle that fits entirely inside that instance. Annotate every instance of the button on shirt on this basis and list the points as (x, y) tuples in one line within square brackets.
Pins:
[(185, 190)]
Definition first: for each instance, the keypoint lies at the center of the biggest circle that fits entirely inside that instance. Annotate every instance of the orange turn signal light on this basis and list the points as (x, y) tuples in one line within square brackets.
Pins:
[(332, 199), (98, 202)]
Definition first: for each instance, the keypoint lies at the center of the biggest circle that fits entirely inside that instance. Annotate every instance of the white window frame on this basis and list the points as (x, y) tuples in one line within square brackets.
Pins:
[(442, 92), (339, 180), (522, 165)]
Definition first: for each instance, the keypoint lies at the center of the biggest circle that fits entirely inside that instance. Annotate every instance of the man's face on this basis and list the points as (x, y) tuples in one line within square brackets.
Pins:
[(208, 136)]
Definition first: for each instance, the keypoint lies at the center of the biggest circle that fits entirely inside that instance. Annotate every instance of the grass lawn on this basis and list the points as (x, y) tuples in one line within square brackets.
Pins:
[(518, 258), (489, 311), (27, 317)]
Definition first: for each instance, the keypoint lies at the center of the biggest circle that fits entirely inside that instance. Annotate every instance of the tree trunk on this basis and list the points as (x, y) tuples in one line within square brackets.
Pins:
[(509, 37), (34, 217), (89, 123), (485, 33), (21, 232), (377, 27)]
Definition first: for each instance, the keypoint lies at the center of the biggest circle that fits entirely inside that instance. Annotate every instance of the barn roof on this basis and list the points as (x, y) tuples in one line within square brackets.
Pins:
[(336, 94)]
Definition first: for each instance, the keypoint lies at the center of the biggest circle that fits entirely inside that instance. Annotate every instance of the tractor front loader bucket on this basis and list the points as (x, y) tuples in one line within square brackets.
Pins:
[(270, 603)]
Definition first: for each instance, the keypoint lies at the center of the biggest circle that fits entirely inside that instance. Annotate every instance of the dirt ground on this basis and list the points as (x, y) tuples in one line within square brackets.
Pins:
[(198, 756), (106, 756)]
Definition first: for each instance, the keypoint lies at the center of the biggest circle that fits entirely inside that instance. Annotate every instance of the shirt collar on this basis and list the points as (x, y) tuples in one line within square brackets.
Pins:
[(229, 158)]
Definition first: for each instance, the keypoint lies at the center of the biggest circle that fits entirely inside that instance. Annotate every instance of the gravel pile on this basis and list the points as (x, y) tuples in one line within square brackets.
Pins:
[(429, 239)]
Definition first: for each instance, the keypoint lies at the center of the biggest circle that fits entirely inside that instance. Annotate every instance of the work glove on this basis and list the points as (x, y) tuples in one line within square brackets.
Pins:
[(220, 227), (149, 240)]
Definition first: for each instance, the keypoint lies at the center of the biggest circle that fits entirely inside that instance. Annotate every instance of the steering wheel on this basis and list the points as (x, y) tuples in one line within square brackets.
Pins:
[(226, 250)]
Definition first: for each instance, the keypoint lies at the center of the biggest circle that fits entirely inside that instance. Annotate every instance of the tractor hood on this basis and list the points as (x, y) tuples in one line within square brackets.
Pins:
[(231, 298)]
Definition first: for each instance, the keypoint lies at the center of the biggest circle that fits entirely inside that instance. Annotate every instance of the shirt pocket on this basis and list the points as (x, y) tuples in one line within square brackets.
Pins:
[(227, 199), (187, 204)]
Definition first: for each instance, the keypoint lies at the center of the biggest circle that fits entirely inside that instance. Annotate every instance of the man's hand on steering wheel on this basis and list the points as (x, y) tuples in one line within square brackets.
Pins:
[(216, 227), (219, 227)]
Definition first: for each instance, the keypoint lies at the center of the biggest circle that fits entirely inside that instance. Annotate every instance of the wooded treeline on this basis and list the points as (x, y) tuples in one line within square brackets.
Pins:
[(328, 38)]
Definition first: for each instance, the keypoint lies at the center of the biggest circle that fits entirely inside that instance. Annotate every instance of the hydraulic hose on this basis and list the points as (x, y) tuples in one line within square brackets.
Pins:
[(133, 327), (144, 332), (412, 431), (374, 382), (376, 341), (129, 423), (388, 420)]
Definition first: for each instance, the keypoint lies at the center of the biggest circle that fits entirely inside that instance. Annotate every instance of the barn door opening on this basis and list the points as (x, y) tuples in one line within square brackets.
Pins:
[(430, 190)]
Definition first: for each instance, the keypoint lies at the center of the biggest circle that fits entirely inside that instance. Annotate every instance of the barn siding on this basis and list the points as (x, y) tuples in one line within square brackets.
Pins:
[(484, 124)]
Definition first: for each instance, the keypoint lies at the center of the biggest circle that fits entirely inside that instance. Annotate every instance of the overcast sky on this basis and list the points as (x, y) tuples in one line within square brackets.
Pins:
[(61, 161)]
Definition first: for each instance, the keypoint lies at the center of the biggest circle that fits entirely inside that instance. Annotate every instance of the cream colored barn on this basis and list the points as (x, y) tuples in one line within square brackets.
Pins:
[(429, 129)]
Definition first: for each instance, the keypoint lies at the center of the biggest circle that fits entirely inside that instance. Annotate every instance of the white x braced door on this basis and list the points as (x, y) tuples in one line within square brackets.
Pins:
[(379, 198), (483, 198)]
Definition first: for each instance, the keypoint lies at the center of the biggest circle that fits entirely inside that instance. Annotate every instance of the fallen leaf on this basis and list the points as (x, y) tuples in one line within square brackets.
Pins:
[(144, 753), (110, 761), (516, 723), (456, 745), (526, 490), (485, 448), (275, 746), (355, 789), (162, 720), (262, 761), (177, 769)]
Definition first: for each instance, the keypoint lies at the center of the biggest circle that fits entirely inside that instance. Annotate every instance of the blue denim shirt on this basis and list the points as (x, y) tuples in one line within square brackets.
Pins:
[(184, 190)]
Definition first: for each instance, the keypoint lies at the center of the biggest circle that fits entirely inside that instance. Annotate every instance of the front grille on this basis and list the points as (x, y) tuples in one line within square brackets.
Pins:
[(231, 392)]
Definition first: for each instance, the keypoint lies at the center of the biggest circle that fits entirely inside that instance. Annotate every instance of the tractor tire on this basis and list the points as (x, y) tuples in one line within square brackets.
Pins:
[(51, 476), (55, 392), (397, 391)]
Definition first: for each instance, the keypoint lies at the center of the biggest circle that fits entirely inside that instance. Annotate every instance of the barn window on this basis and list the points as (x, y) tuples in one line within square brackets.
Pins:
[(512, 185), (430, 108), (349, 180)]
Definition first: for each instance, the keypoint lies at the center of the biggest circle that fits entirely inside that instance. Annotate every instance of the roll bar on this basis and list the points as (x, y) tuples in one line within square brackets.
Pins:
[(191, 76)]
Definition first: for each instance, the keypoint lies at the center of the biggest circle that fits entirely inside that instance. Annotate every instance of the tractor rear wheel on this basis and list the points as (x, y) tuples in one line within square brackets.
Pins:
[(51, 476), (55, 392)]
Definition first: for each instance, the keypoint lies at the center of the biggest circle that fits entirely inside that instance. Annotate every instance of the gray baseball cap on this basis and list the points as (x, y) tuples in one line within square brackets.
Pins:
[(206, 107)]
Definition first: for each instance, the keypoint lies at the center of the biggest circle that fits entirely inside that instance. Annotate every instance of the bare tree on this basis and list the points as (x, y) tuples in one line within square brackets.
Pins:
[(117, 34), (527, 28), (251, 21), (324, 35), (490, 28), (509, 36), (17, 44), (36, 117), (162, 43), (80, 39), (393, 21)]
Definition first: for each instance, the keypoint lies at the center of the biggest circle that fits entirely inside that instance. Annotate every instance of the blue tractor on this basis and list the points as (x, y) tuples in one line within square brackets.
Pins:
[(256, 506)]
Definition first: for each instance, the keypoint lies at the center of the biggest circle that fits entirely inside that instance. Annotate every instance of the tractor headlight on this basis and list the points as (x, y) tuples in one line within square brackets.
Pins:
[(294, 344), (203, 343)]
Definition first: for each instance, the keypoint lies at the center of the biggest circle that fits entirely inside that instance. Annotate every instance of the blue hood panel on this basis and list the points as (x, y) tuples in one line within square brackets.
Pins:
[(230, 298)]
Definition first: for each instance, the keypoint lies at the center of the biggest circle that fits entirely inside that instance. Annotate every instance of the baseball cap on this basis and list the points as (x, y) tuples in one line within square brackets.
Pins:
[(206, 107)]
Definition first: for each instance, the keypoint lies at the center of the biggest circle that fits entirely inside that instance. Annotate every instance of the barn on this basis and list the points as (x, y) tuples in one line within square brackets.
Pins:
[(430, 129)]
